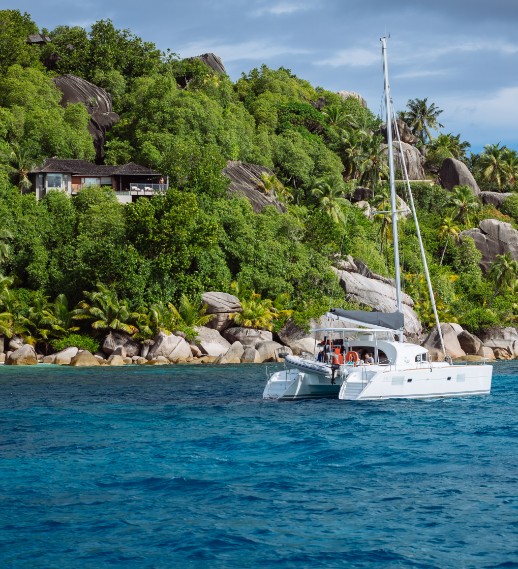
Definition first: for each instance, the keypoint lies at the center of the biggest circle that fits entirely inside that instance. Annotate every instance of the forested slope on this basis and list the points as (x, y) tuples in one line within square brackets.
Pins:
[(182, 118)]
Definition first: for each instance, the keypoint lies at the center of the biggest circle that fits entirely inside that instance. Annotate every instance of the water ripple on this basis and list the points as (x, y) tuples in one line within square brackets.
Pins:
[(188, 467)]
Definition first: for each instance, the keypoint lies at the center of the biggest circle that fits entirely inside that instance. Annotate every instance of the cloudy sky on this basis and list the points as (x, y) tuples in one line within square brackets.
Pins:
[(460, 54)]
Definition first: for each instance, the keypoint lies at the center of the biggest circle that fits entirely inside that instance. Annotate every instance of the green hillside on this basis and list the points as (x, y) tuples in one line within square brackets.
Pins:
[(134, 263)]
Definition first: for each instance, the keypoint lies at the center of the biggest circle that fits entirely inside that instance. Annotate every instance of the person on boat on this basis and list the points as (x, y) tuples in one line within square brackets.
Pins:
[(369, 360)]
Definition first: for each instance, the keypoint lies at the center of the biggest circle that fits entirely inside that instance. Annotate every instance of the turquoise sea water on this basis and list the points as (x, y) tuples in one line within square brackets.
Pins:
[(184, 466)]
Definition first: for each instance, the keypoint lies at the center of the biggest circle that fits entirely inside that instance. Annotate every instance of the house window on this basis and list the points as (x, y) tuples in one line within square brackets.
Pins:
[(54, 181)]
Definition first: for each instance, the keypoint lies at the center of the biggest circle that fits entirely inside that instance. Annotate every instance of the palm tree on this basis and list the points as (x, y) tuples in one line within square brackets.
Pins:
[(38, 321), (21, 164), (464, 203), (503, 271), (5, 284), (511, 167), (256, 313), (270, 184), (374, 163), (159, 317), (448, 229), (421, 117), (338, 117), (492, 164), (6, 324), (446, 146), (63, 317), (190, 314), (5, 247), (352, 152), (330, 198), (106, 311)]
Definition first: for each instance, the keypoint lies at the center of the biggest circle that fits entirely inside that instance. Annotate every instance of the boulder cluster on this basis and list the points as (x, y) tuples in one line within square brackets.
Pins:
[(493, 344), (221, 342)]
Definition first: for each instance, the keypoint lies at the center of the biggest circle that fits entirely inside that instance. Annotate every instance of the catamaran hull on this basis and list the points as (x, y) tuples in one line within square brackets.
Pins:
[(293, 384), (424, 383)]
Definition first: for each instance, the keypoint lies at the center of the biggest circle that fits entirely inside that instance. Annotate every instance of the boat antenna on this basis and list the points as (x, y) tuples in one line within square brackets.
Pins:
[(393, 203), (418, 232)]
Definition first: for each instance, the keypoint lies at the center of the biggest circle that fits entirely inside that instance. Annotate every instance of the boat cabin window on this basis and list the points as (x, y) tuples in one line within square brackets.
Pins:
[(382, 358), (421, 358), (364, 354)]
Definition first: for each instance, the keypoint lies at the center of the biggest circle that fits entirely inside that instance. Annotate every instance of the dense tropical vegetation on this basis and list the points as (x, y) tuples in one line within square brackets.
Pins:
[(77, 267)]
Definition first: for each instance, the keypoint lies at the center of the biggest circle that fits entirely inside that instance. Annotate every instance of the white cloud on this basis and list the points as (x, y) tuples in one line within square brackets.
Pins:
[(282, 9), (354, 57), (417, 74), (252, 50), (496, 109), (425, 53), (487, 119)]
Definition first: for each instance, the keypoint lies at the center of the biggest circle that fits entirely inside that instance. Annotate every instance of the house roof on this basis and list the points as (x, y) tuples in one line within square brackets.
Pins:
[(85, 168), (38, 38)]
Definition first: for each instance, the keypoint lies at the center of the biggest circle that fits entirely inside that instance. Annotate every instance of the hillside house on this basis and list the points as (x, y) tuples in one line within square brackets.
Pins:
[(129, 181)]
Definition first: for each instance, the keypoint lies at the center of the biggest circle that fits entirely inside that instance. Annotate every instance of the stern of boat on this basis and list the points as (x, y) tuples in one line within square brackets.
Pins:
[(279, 383)]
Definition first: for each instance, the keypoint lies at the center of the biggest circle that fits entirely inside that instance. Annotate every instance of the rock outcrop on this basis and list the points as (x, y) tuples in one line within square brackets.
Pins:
[(297, 339), (492, 238), (246, 336), (455, 173), (245, 180), (212, 61), (501, 339), (378, 294), (116, 360), (346, 94), (116, 339), (405, 133), (85, 359), (222, 305), (97, 101), (494, 198), (64, 357), (413, 159), (249, 356), (23, 356), (211, 342), (233, 355), (469, 343), (271, 352), (169, 346), (15, 343), (451, 343)]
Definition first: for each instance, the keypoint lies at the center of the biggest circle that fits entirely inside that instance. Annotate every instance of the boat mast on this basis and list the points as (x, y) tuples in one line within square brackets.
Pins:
[(420, 240), (393, 202)]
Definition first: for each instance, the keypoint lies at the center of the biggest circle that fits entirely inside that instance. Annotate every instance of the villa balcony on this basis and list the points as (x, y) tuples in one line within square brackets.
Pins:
[(146, 189)]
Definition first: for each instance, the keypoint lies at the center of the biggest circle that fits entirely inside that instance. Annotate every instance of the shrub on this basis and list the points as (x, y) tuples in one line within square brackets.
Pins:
[(510, 206), (478, 318), (80, 341)]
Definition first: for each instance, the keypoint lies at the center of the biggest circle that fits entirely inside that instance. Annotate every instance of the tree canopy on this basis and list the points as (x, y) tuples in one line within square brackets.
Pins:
[(130, 266)]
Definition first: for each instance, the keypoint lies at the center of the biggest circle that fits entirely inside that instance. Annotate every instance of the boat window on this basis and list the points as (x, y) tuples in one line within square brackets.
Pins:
[(382, 358), (421, 358)]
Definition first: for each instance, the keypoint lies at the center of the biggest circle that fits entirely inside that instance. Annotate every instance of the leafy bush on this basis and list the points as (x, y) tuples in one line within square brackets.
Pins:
[(510, 207), (479, 318), (430, 197), (80, 341)]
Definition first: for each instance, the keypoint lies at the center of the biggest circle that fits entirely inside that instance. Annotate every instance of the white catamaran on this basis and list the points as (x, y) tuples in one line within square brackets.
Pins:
[(373, 361)]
